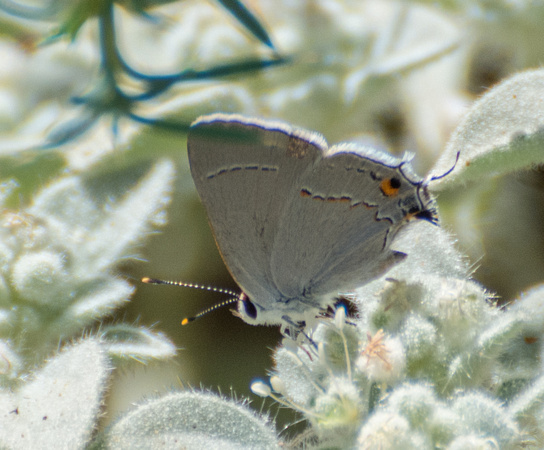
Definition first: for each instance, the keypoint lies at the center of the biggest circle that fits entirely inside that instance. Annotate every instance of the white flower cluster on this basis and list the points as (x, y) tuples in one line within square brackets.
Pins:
[(428, 362)]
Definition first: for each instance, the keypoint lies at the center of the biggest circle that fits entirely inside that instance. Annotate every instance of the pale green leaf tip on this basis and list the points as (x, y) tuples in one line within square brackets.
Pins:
[(501, 133), (47, 411), (194, 420)]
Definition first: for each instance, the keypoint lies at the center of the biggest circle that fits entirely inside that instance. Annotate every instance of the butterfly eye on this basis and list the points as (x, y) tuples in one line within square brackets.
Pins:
[(247, 308)]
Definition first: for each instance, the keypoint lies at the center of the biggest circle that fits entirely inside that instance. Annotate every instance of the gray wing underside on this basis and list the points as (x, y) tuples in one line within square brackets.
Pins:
[(245, 176), (336, 236), (291, 218)]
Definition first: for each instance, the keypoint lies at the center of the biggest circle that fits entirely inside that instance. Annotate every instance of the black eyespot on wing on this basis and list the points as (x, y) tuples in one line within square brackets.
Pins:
[(249, 308), (395, 183)]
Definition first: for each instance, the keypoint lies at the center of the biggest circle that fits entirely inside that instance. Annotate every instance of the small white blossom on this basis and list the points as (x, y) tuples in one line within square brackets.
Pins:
[(383, 358), (261, 389)]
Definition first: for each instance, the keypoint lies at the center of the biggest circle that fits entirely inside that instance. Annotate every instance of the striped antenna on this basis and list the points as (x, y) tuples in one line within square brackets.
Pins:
[(234, 296)]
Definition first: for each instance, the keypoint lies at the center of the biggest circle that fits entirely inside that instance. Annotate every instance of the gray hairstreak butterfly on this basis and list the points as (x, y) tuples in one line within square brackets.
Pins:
[(297, 221)]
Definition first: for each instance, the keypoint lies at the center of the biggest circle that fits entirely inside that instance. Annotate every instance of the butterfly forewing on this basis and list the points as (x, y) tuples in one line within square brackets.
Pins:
[(245, 172)]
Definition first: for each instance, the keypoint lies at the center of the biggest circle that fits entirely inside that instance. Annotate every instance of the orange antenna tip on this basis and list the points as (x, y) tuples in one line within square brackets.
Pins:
[(155, 281)]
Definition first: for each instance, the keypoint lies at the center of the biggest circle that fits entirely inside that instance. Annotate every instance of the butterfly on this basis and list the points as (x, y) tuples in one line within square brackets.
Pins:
[(297, 221)]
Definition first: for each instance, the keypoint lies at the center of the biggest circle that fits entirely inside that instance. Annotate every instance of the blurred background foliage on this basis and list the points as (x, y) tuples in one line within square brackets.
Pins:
[(105, 88)]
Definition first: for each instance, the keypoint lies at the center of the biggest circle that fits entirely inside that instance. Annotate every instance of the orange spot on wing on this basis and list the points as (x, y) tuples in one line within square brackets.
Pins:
[(390, 187)]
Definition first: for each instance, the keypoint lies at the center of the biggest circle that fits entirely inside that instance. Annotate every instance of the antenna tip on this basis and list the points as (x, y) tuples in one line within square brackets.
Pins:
[(148, 280), (187, 320)]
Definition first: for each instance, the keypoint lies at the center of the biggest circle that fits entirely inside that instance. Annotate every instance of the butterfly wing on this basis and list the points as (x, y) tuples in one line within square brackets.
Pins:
[(245, 171), (335, 234)]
